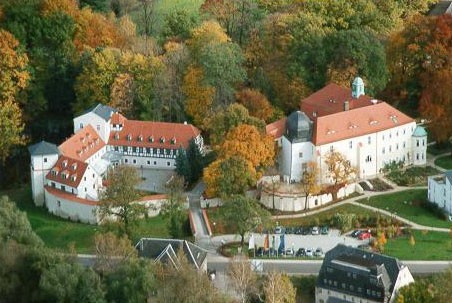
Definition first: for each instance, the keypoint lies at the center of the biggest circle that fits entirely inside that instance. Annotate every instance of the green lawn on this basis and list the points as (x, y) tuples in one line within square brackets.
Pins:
[(444, 162), (428, 246), (59, 233), (407, 204)]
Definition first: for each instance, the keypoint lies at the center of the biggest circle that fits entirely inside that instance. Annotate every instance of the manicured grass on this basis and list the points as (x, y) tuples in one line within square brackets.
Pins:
[(428, 246), (444, 162), (407, 204), (59, 233)]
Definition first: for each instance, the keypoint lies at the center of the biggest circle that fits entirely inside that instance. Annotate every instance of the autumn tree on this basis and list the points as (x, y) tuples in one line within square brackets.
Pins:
[(278, 288), (245, 214), (257, 104), (339, 170), (179, 23), (310, 181), (242, 278), (112, 251), (117, 200), (248, 143)]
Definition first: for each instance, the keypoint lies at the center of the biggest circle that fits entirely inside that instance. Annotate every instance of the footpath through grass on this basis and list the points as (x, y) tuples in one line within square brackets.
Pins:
[(428, 246), (444, 162), (60, 233), (407, 204)]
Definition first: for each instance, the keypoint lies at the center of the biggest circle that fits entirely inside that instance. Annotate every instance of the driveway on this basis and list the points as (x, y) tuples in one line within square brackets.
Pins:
[(154, 179)]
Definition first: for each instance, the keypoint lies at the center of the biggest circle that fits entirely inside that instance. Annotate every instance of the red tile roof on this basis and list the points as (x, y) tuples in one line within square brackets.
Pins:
[(68, 196), (117, 118), (83, 144), (357, 122), (153, 134), (277, 128), (330, 100), (67, 171)]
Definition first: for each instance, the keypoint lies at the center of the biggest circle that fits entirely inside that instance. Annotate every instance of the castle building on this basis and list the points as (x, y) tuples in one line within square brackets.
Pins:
[(67, 179), (370, 133)]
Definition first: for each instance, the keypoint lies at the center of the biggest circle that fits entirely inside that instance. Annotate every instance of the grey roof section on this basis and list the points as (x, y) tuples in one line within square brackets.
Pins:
[(103, 111), (442, 7), (359, 273), (419, 131), (166, 249), (448, 175), (43, 148), (299, 127)]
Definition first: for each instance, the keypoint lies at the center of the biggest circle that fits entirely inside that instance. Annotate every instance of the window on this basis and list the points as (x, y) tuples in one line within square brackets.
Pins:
[(383, 137), (316, 202), (369, 140), (331, 148), (168, 163), (383, 151), (134, 149), (45, 160), (417, 156), (417, 142), (94, 176), (98, 127), (350, 144), (52, 184), (390, 148), (404, 144), (116, 148), (94, 186), (300, 155), (369, 158), (63, 187), (85, 189), (134, 161), (81, 125), (155, 162), (126, 160), (423, 142), (84, 178), (148, 162), (162, 140), (397, 146)]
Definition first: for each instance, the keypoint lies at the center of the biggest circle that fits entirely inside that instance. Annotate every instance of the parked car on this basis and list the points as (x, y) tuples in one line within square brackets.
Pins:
[(309, 252), (299, 230), (364, 235), (365, 247), (289, 252), (324, 230), (260, 252), (355, 233), (307, 231), (301, 252), (289, 230), (279, 230), (318, 252), (315, 230)]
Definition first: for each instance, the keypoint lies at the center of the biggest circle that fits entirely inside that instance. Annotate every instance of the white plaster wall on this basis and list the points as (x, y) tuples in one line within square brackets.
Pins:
[(153, 206), (40, 165), (294, 155), (440, 193), (419, 147), (404, 278), (89, 185), (149, 162), (67, 209), (322, 295), (100, 125), (97, 155)]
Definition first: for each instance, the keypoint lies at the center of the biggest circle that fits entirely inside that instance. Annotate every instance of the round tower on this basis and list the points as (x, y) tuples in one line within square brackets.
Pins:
[(44, 155), (419, 146), (357, 88)]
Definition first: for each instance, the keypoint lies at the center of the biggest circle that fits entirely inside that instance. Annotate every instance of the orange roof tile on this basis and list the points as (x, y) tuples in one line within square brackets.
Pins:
[(357, 122), (83, 144), (68, 196), (277, 128), (330, 99), (154, 134), (67, 171), (117, 118)]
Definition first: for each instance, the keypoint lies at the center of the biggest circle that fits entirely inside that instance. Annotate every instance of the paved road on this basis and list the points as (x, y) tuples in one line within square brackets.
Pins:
[(201, 233)]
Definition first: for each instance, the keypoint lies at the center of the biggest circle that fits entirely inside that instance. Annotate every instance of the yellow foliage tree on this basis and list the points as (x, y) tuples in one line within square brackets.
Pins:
[(207, 33), (256, 103), (11, 127), (247, 142), (199, 97), (279, 289), (340, 170)]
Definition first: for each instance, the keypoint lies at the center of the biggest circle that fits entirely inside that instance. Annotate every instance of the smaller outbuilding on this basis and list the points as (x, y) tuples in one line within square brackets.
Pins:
[(440, 191), (350, 274), (167, 250)]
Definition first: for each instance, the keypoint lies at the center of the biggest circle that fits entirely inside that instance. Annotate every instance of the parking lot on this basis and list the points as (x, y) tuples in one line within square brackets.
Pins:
[(309, 241)]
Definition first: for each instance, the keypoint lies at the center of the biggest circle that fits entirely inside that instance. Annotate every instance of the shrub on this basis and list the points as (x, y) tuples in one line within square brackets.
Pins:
[(434, 209)]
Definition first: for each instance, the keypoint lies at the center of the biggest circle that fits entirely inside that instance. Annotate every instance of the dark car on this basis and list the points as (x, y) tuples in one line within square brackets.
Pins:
[(355, 233), (299, 230), (260, 252), (301, 252), (307, 231), (324, 230), (289, 230)]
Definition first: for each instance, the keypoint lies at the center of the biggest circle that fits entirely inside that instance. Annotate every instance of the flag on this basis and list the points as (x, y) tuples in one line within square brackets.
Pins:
[(266, 242), (273, 243), (282, 244), (251, 242)]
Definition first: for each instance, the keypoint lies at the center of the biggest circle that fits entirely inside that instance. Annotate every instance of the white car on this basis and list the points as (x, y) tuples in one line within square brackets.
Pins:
[(309, 252), (315, 230), (279, 230), (289, 252)]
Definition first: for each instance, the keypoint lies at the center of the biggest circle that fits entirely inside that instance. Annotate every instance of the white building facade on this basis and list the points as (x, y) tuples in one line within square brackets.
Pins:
[(67, 179), (440, 191), (368, 132)]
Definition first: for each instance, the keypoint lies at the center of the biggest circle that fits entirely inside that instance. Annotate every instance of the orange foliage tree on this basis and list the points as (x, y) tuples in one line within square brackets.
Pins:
[(256, 103)]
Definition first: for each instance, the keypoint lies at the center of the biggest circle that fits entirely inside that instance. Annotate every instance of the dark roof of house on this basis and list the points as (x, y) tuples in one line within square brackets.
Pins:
[(103, 111), (43, 148), (359, 273), (165, 250), (440, 8)]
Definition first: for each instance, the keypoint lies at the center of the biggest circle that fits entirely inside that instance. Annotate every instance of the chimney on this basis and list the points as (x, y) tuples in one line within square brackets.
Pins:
[(346, 106)]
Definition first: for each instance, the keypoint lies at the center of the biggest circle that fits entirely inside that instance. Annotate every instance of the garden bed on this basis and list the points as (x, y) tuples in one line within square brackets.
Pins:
[(411, 176)]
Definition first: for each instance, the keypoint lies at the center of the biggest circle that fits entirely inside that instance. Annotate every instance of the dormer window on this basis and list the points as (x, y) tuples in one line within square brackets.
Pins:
[(117, 136), (151, 139), (64, 164), (54, 172), (162, 139), (129, 137), (140, 138), (173, 140), (74, 166), (73, 178), (63, 176)]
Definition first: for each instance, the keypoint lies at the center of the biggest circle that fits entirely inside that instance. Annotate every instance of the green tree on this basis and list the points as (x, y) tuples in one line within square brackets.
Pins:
[(173, 210), (66, 282), (97, 5), (235, 177), (132, 282), (196, 161), (117, 200), (179, 23), (245, 214), (112, 251), (182, 164), (420, 291)]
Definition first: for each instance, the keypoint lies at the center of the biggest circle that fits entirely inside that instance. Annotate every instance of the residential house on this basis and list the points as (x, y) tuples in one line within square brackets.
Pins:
[(440, 191)]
